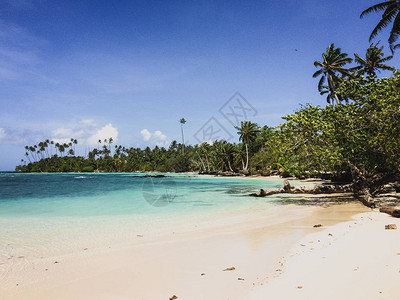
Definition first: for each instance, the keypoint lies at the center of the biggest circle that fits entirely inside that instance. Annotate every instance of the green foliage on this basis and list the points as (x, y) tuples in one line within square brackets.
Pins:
[(361, 138)]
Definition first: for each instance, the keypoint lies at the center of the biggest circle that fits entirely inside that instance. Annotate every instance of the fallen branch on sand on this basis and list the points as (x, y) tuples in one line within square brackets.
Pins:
[(394, 212), (318, 189)]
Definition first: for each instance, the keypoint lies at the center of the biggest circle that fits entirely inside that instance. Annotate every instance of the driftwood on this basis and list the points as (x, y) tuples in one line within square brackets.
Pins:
[(394, 212), (365, 198), (319, 189)]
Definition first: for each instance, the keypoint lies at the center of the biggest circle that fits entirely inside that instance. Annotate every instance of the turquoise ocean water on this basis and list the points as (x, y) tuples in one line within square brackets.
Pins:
[(51, 214)]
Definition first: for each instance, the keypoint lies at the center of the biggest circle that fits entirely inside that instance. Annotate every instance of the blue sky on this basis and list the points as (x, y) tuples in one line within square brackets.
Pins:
[(132, 69)]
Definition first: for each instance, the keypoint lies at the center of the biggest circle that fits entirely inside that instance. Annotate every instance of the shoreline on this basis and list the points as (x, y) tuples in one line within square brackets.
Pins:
[(161, 267)]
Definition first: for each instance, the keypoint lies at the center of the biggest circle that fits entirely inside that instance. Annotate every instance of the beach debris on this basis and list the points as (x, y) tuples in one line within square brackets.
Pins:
[(391, 227), (139, 235), (240, 278), (394, 212), (311, 242), (317, 225), (56, 262), (230, 269), (21, 256), (202, 274), (300, 287), (302, 245), (85, 249), (46, 269), (330, 234), (173, 297)]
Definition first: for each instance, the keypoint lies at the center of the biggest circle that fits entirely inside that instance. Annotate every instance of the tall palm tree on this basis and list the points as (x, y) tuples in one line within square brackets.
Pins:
[(391, 13), (330, 67), (374, 60), (247, 133), (183, 121)]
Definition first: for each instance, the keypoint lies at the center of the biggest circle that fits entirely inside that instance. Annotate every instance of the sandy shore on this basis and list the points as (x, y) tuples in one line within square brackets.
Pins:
[(358, 259), (271, 260)]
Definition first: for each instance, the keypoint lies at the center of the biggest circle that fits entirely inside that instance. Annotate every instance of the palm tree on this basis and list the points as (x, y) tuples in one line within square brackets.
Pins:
[(247, 133), (374, 60), (183, 121), (391, 13), (205, 147), (228, 150), (240, 154), (330, 68)]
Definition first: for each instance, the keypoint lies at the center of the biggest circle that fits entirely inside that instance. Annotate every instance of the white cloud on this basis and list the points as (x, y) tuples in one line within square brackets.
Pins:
[(103, 133), (145, 134), (159, 136), (2, 133), (156, 138), (62, 133), (88, 122), (86, 132)]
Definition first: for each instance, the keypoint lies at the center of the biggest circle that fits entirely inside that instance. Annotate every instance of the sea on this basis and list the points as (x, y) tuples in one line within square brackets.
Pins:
[(44, 215)]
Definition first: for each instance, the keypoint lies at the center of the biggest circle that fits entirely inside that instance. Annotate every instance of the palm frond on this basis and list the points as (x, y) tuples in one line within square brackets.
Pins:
[(319, 72), (376, 8), (394, 34), (385, 21), (321, 84)]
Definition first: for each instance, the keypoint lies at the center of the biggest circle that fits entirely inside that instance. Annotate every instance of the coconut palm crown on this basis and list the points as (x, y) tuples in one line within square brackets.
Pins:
[(247, 132), (374, 61), (331, 67)]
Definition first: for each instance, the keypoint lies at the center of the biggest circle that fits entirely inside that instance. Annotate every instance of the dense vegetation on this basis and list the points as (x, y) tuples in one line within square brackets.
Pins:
[(356, 137)]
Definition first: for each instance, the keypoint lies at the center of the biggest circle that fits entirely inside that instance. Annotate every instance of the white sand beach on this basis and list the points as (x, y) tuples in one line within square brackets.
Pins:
[(358, 259), (284, 259)]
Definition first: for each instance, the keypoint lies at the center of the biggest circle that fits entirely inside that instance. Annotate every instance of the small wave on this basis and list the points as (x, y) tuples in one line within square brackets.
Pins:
[(79, 177)]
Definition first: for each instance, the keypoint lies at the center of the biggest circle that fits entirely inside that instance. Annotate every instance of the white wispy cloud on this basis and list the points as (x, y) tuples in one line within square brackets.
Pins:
[(2, 133), (18, 51), (10, 138), (155, 138)]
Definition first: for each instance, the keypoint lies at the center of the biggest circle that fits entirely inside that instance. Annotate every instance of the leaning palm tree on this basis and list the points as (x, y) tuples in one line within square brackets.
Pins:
[(374, 61), (391, 13), (330, 69), (182, 121), (247, 133)]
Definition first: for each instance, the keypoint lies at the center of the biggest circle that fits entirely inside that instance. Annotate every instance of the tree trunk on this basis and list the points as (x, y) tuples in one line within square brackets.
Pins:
[(229, 165), (247, 157), (208, 163), (202, 162), (183, 140)]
